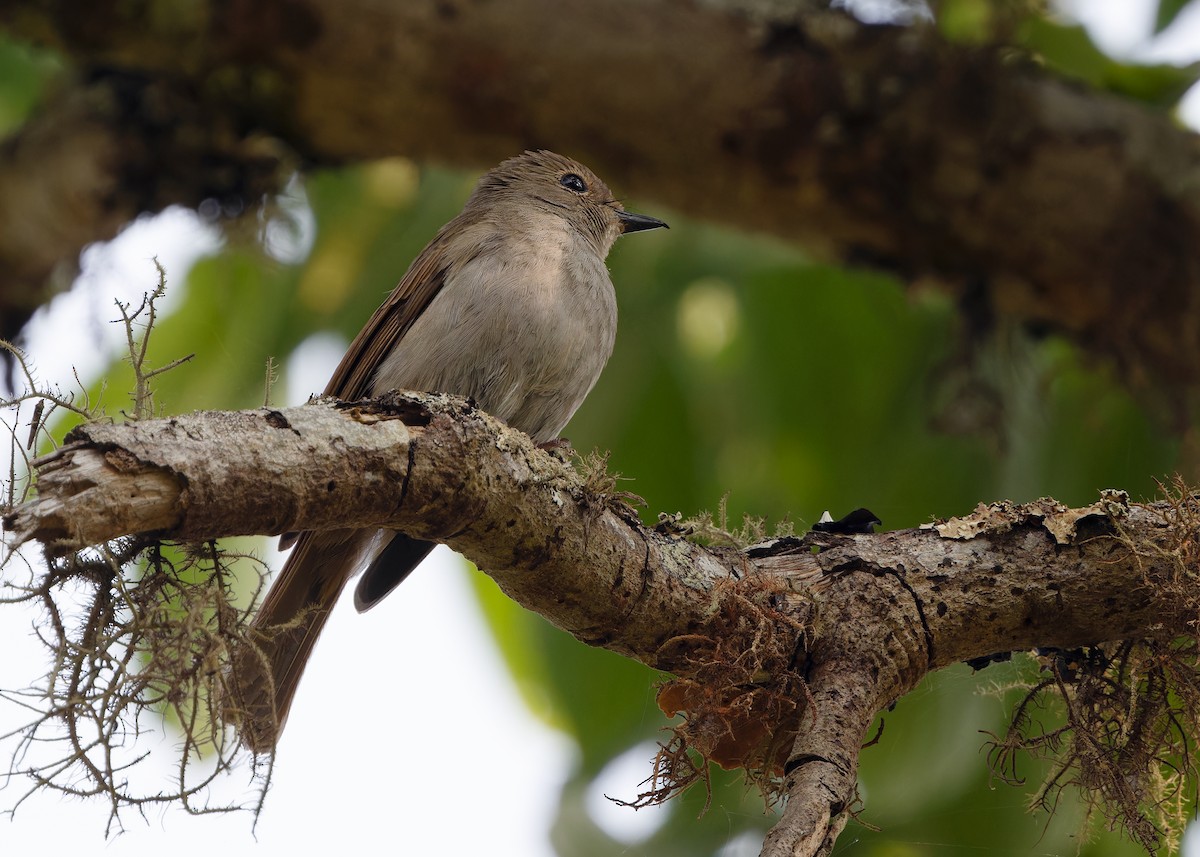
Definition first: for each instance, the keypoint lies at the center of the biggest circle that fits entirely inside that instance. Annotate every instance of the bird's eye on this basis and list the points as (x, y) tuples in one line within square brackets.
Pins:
[(571, 181)]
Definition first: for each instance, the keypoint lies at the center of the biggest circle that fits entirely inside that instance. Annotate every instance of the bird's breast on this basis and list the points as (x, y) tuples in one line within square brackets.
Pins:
[(524, 328)]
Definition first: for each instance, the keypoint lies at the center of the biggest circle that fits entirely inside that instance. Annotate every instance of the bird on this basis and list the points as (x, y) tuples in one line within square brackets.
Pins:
[(511, 305)]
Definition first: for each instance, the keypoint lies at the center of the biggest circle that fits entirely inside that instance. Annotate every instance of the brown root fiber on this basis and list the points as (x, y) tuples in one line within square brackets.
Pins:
[(1123, 742), (137, 633), (739, 692), (1125, 714)]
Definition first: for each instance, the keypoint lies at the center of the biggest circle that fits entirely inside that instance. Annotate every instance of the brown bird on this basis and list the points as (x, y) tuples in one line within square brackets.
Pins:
[(510, 304)]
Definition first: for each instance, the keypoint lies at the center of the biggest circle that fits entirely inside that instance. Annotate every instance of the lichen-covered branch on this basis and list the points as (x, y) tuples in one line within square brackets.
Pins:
[(781, 653), (959, 164)]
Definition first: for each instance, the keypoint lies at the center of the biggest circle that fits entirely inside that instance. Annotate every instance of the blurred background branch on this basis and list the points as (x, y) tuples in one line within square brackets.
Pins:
[(965, 162)]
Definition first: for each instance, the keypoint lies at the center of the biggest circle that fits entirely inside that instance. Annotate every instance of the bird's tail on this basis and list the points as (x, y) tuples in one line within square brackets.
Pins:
[(266, 668)]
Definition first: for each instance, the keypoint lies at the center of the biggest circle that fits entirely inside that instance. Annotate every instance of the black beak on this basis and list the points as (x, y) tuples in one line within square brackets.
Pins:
[(631, 222)]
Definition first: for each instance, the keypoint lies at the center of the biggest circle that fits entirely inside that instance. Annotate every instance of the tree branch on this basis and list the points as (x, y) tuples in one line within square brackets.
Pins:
[(99, 154), (862, 619), (883, 145)]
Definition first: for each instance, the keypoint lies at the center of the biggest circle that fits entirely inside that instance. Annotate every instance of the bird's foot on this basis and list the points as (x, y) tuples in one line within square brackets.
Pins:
[(560, 448)]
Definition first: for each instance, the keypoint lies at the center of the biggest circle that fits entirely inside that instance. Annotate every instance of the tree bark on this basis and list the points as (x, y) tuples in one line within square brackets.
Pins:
[(853, 622), (1069, 210)]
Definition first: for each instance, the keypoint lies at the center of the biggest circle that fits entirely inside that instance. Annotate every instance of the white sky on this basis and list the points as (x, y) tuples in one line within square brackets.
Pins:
[(387, 750)]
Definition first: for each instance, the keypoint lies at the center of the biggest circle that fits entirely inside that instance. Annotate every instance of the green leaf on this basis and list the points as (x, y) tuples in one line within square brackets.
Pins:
[(966, 21), (1069, 50), (1158, 85), (24, 73), (1168, 11)]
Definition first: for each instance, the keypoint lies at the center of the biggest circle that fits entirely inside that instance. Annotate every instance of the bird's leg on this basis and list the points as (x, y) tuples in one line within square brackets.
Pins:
[(560, 448)]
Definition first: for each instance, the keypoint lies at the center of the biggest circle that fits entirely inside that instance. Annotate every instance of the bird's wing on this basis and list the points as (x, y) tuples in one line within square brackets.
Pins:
[(424, 279), (420, 284)]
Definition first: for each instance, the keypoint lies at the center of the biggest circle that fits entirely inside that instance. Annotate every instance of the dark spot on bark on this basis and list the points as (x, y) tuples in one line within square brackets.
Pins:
[(277, 420), (942, 609), (866, 256), (784, 39), (997, 658), (300, 26), (1017, 591), (330, 486), (411, 413), (534, 557), (1093, 526), (122, 460), (446, 11), (244, 27), (800, 761)]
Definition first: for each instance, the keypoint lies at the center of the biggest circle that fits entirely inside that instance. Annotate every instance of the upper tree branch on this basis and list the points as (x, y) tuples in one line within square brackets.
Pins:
[(861, 618), (1066, 208), (100, 154)]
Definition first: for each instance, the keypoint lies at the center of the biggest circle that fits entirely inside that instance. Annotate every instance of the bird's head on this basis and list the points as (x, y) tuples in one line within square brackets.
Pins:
[(545, 181)]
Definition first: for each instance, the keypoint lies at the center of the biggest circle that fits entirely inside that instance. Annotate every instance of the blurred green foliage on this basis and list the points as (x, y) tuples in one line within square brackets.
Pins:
[(740, 368), (24, 75), (1066, 47), (1167, 11), (1068, 50)]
